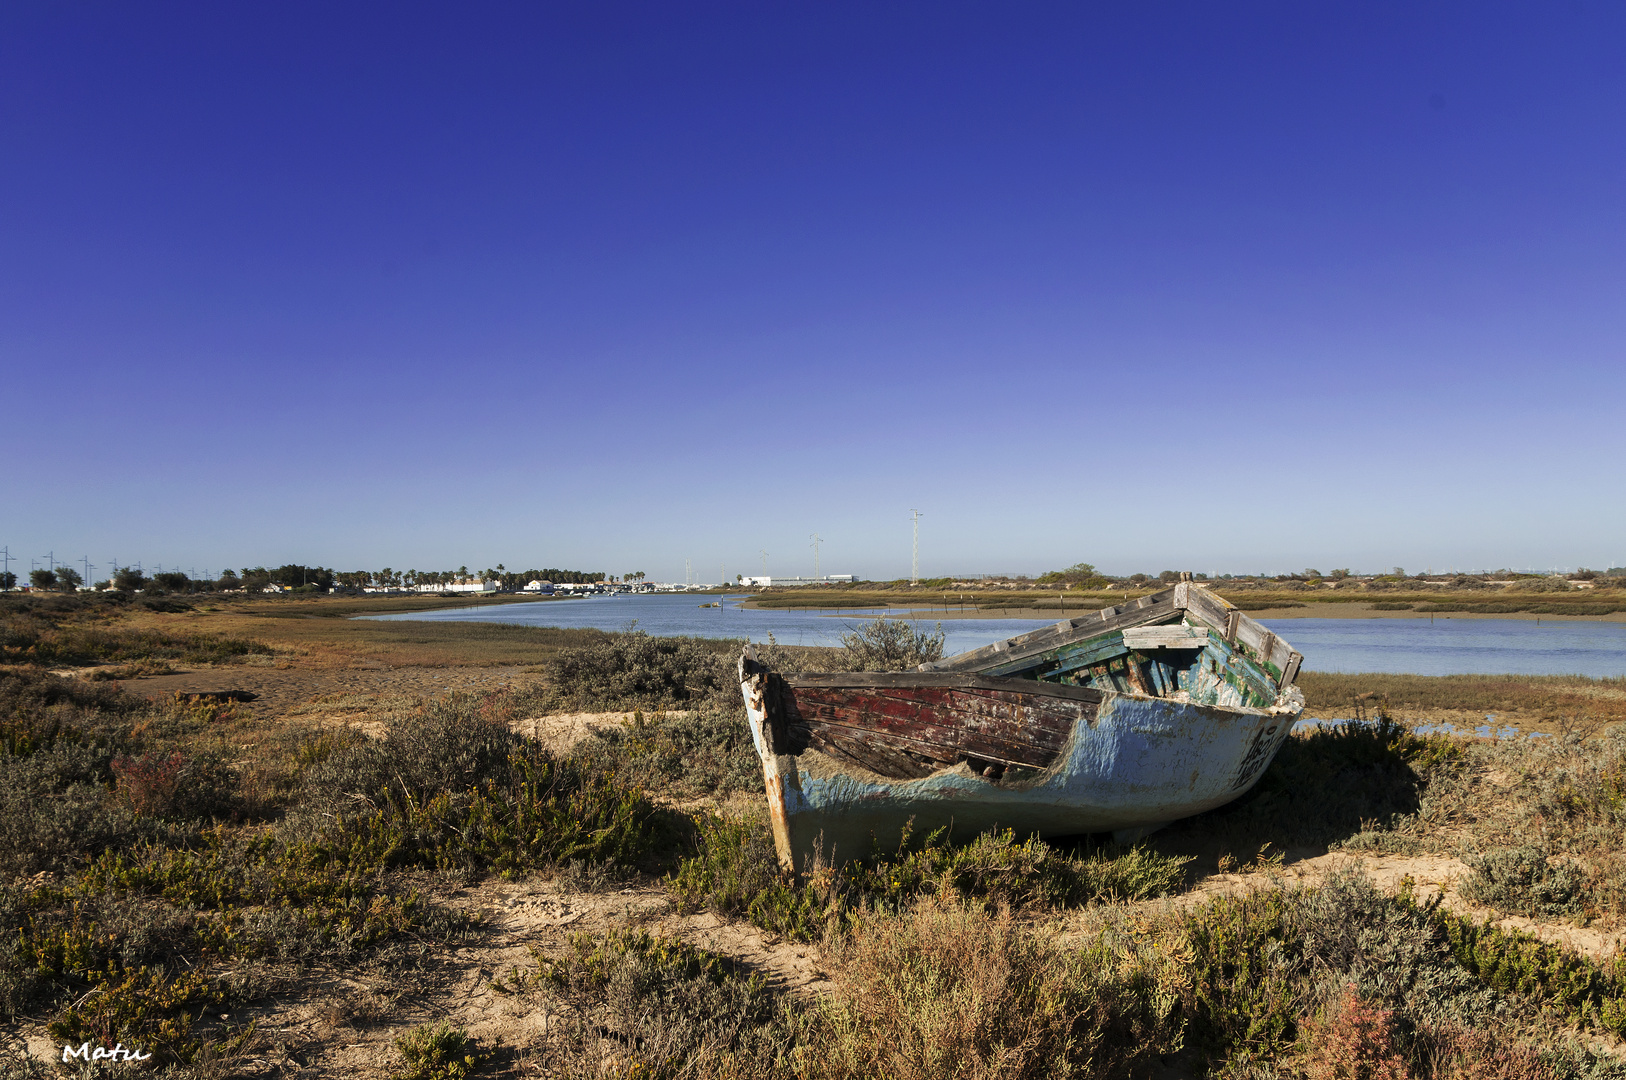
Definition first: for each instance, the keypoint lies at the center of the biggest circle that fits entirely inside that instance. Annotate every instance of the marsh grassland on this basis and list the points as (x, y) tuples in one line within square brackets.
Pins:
[(446, 850)]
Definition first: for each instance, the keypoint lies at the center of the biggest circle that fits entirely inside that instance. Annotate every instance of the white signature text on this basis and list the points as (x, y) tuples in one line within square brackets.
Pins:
[(84, 1052)]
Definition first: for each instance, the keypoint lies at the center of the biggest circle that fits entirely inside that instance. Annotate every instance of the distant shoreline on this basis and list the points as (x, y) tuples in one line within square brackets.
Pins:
[(1309, 611)]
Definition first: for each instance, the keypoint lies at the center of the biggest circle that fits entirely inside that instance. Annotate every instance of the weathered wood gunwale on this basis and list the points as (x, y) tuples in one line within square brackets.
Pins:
[(1156, 608)]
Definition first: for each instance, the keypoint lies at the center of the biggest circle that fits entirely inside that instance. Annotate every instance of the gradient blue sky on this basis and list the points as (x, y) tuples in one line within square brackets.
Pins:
[(1231, 287)]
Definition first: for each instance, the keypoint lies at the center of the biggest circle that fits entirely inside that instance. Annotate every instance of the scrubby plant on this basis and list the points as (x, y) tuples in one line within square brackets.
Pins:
[(1559, 978), (635, 670), (945, 990), (889, 645), (439, 1052), (735, 872), (1523, 880), (1354, 1041), (704, 752), (176, 785), (667, 1008)]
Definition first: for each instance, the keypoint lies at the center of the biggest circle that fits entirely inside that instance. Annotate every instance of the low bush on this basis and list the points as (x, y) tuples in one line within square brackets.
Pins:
[(948, 991), (1262, 963), (176, 785), (1524, 881), (704, 752), (447, 746), (665, 1008), (439, 1052), (55, 808), (735, 872), (1559, 978), (889, 645), (635, 670)]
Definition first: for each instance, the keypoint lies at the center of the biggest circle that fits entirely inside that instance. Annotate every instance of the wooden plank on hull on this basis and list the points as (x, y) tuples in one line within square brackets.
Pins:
[(1168, 636)]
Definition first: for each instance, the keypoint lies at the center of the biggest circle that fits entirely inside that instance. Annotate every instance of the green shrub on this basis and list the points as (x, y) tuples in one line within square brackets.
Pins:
[(636, 670), (1557, 977), (439, 1052), (547, 814), (994, 868), (735, 872), (706, 752), (1246, 959), (1523, 880)]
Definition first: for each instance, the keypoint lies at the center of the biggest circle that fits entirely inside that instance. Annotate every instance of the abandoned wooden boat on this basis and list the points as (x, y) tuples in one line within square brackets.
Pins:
[(1120, 721)]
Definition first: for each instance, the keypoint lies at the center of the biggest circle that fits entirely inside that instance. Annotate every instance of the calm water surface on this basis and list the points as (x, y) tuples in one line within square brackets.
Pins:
[(1458, 646), (681, 613), (1417, 646)]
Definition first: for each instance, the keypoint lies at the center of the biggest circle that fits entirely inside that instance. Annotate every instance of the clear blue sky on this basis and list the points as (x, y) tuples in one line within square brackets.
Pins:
[(1226, 287)]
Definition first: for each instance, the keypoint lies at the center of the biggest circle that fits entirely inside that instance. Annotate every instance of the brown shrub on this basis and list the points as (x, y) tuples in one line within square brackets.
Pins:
[(948, 991), (1354, 1041)]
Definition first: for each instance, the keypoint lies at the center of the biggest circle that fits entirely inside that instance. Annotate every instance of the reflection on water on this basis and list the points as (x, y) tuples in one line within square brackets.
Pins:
[(1416, 646)]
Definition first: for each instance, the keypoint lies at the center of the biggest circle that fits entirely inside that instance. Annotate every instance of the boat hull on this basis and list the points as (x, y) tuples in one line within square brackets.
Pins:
[(1125, 763)]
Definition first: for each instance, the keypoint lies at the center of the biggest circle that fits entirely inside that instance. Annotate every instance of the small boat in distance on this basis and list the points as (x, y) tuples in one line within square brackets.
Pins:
[(1120, 721)]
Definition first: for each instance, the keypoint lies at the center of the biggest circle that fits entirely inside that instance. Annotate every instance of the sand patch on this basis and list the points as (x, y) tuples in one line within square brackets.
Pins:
[(560, 732)]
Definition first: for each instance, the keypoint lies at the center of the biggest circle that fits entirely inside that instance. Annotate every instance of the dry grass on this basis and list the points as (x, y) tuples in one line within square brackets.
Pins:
[(1581, 701), (317, 639)]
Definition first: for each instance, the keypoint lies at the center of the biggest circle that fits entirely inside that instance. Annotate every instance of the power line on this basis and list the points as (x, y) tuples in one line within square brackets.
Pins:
[(914, 564)]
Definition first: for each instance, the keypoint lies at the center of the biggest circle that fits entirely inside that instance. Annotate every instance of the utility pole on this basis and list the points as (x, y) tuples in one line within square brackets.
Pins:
[(688, 574), (88, 581), (5, 559), (817, 540), (764, 554), (50, 561), (914, 562)]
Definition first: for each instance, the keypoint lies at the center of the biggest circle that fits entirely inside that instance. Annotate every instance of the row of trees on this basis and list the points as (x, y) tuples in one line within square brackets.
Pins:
[(389, 578), (296, 576)]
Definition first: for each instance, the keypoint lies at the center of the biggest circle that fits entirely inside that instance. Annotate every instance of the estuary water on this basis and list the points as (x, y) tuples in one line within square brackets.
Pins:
[(664, 614), (1458, 646), (1415, 646)]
